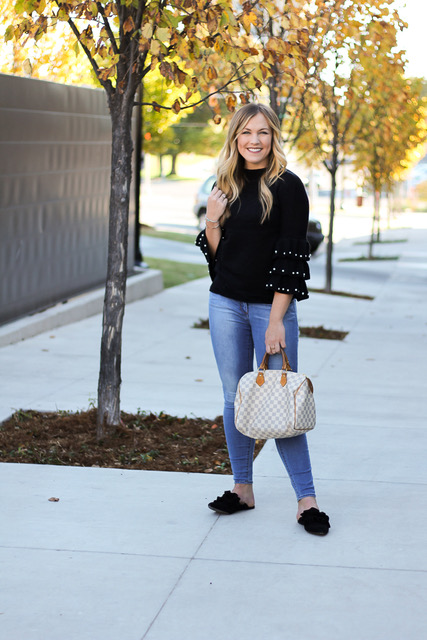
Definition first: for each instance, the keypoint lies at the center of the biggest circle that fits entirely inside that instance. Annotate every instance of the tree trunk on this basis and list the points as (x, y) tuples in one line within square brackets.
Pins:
[(333, 172), (378, 209), (371, 239), (375, 221), (173, 166), (138, 177), (115, 290), (274, 100), (389, 208)]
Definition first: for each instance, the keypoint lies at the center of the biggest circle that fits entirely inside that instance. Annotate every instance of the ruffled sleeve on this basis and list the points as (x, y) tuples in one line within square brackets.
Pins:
[(202, 243), (289, 269)]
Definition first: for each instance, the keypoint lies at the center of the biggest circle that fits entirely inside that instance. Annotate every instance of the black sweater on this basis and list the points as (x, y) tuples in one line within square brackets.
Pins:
[(254, 260)]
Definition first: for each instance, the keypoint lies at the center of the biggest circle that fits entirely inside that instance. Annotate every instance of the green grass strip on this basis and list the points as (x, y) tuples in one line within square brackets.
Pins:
[(175, 273), (367, 259), (169, 235), (383, 241)]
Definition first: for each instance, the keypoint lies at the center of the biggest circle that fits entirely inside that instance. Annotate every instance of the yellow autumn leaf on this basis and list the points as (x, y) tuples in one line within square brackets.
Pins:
[(163, 34), (182, 49), (111, 8), (27, 66), (272, 44), (285, 23), (211, 73), (93, 8), (155, 47), (147, 30), (248, 21), (257, 72), (212, 21), (39, 6)]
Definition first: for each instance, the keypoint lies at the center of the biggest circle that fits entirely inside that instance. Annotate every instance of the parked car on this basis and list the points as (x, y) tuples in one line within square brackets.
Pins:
[(314, 232), (202, 200), (315, 236)]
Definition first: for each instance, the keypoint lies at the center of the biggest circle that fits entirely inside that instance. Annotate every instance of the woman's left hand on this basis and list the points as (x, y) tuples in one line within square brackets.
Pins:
[(275, 337)]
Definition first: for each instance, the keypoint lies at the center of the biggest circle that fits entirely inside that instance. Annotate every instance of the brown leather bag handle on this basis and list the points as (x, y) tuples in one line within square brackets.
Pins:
[(264, 366), (285, 362)]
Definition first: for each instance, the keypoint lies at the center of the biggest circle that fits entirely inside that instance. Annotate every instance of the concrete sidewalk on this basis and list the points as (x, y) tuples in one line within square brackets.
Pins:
[(132, 555)]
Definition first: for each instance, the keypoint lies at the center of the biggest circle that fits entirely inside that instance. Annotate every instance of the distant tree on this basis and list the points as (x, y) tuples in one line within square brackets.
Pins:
[(423, 86), (392, 142), (196, 133), (157, 124), (421, 190), (359, 35), (125, 41), (197, 130)]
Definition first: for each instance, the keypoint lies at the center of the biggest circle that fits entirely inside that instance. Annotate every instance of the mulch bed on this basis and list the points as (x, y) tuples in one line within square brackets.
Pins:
[(321, 333), (343, 294), (307, 332), (144, 441)]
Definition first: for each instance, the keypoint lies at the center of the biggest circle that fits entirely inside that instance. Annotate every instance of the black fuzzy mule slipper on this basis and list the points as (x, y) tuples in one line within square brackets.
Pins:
[(315, 521), (228, 503)]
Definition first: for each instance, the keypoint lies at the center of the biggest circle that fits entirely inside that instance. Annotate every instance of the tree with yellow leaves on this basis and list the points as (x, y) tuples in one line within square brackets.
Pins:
[(125, 41), (360, 40), (56, 58), (291, 79), (397, 127)]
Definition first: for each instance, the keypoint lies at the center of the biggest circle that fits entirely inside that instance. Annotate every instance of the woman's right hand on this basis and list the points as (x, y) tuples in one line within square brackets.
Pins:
[(217, 204)]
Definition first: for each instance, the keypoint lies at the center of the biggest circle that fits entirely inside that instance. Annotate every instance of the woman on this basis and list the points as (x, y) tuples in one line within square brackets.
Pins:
[(256, 247)]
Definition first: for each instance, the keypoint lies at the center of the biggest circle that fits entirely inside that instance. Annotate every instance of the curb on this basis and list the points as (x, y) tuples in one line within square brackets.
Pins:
[(78, 308)]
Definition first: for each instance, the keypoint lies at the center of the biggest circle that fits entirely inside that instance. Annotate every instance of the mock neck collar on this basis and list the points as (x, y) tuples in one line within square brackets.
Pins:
[(254, 174)]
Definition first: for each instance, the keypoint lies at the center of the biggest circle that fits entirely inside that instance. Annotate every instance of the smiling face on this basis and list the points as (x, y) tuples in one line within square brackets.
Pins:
[(254, 142)]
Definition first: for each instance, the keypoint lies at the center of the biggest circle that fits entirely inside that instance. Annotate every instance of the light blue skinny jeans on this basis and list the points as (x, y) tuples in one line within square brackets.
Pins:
[(237, 328)]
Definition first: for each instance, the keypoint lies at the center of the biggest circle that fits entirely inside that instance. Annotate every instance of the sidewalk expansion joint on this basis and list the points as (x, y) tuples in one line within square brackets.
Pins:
[(192, 558), (180, 577), (311, 566), (95, 552)]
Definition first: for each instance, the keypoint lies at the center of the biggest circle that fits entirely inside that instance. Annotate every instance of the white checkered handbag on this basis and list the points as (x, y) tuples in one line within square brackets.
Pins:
[(274, 403)]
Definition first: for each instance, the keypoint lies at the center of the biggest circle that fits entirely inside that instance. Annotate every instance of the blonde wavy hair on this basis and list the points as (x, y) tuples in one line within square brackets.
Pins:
[(230, 174)]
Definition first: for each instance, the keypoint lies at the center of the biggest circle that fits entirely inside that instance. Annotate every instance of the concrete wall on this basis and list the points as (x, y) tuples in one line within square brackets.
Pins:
[(55, 145)]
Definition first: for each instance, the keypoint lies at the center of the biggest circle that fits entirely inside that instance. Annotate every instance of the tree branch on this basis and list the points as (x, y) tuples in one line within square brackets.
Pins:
[(105, 83), (194, 104), (140, 13), (108, 28), (134, 78)]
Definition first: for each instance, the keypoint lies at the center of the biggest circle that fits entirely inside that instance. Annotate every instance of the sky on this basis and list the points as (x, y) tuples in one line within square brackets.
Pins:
[(414, 39)]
